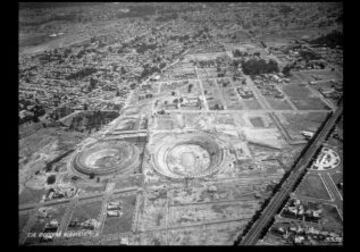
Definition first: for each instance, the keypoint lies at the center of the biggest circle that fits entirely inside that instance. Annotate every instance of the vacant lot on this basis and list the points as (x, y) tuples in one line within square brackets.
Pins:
[(331, 220), (189, 215), (252, 104), (152, 238), (257, 122), (216, 234), (128, 182), (123, 223), (302, 98), (278, 104), (320, 75), (86, 211), (295, 123), (313, 187), (23, 219), (29, 195)]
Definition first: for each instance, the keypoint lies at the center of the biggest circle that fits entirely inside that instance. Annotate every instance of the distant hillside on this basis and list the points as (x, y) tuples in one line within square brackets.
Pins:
[(39, 5)]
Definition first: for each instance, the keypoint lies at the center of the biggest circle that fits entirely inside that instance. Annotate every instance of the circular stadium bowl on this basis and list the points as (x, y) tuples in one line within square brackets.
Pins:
[(106, 158), (188, 155)]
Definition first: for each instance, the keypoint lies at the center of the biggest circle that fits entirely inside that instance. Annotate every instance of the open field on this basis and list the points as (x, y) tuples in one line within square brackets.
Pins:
[(252, 104), (257, 122), (29, 195), (295, 123), (331, 220), (85, 211), (313, 187), (319, 75), (302, 98), (123, 223), (23, 219), (216, 234), (278, 104)]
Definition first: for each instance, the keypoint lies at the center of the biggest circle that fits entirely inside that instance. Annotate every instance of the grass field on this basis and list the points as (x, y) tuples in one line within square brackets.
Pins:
[(297, 91), (295, 123), (252, 104), (331, 220), (23, 219), (312, 187), (322, 75), (257, 122), (86, 211), (278, 104), (29, 195), (303, 99), (310, 103)]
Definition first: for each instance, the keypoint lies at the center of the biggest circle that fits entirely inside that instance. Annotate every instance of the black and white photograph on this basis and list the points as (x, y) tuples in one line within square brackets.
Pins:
[(180, 124)]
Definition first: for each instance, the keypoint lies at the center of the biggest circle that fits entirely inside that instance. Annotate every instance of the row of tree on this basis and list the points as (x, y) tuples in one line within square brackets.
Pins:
[(257, 67)]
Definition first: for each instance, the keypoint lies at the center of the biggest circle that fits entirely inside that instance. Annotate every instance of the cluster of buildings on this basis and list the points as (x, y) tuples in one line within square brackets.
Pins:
[(245, 92), (88, 224), (57, 77), (295, 209), (307, 235), (267, 84), (60, 192), (114, 209)]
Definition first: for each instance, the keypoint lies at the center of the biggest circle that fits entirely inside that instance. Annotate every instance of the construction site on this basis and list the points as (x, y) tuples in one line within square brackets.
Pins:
[(193, 157)]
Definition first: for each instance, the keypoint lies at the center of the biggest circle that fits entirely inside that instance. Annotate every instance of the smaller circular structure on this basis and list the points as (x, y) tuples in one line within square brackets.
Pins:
[(106, 158), (327, 159)]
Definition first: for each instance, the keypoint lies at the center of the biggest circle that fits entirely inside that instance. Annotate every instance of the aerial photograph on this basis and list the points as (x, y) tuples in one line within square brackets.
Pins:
[(180, 123)]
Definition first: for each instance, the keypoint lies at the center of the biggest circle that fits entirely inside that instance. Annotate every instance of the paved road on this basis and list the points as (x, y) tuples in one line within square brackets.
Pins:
[(245, 111), (278, 199), (206, 105)]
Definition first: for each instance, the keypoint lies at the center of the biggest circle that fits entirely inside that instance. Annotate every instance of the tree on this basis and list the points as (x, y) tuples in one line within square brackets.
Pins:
[(91, 175), (285, 10), (122, 70), (189, 88), (51, 180), (132, 86), (286, 70), (92, 83), (273, 66), (162, 65)]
